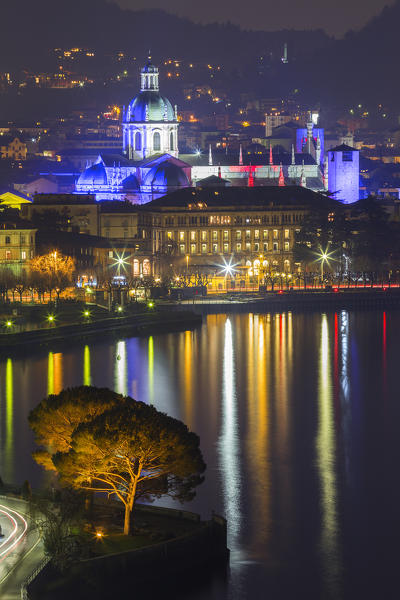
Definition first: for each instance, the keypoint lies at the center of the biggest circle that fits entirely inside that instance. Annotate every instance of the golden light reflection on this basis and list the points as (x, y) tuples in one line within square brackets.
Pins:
[(87, 379), (326, 461), (228, 446), (188, 374), (120, 372), (54, 373), (258, 435), (50, 374), (9, 445), (151, 369)]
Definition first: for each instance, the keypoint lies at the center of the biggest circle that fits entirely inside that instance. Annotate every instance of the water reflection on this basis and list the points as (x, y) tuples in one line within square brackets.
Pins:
[(87, 379), (228, 446), (151, 370), (54, 373), (188, 378), (9, 445), (325, 448), (269, 396), (120, 372)]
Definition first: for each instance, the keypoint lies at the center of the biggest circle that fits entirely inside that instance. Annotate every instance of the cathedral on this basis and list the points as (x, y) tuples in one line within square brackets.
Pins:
[(150, 165)]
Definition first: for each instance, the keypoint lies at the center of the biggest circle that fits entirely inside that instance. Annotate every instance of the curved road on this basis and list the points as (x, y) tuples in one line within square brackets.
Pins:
[(21, 548)]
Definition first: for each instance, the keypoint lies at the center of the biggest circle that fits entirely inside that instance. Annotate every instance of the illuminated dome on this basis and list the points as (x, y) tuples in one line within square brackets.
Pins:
[(149, 105), (166, 175), (93, 176)]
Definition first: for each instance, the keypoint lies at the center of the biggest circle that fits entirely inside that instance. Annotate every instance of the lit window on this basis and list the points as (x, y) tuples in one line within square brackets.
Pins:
[(110, 254), (286, 234), (286, 247), (204, 236), (238, 247), (192, 236), (169, 235), (182, 248), (215, 248), (275, 234), (248, 246), (23, 255), (256, 247), (248, 234), (226, 234), (182, 236), (193, 248), (8, 254), (226, 248), (256, 234), (204, 248), (215, 235), (238, 234)]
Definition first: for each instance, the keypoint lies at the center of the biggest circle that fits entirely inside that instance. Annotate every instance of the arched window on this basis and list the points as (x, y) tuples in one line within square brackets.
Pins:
[(171, 141), (138, 141), (146, 267), (136, 269), (156, 141)]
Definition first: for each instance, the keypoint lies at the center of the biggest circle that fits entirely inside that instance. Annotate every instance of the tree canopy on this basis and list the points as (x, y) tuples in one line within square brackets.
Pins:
[(56, 417), (103, 442)]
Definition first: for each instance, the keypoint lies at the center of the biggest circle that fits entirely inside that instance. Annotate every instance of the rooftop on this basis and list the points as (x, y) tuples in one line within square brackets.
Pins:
[(268, 197)]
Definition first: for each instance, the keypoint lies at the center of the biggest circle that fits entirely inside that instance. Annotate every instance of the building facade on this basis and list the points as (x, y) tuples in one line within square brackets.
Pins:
[(17, 245), (204, 229), (344, 173)]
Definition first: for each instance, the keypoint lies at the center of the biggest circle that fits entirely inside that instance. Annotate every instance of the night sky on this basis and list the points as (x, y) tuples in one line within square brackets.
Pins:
[(336, 17)]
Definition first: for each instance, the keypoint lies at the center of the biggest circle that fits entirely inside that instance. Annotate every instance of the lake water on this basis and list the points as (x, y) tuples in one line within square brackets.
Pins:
[(299, 420)]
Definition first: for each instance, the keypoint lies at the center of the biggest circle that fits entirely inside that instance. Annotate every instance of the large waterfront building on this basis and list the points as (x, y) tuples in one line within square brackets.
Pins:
[(209, 227), (196, 228)]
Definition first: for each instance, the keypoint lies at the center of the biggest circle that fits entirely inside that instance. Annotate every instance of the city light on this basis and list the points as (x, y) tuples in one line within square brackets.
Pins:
[(86, 313), (8, 323), (120, 260), (150, 304), (50, 318), (228, 269)]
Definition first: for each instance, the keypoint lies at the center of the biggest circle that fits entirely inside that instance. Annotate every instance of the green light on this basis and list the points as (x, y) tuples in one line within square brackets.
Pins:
[(119, 308), (9, 323), (150, 304), (87, 379), (86, 313), (50, 318)]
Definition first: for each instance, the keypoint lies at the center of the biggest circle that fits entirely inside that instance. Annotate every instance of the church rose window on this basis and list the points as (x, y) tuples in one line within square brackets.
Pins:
[(156, 141), (138, 141)]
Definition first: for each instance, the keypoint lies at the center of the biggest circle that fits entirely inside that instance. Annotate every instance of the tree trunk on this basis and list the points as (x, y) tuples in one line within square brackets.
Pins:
[(127, 520)]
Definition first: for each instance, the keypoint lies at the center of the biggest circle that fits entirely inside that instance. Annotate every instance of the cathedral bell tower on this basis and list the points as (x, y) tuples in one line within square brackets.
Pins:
[(150, 124)]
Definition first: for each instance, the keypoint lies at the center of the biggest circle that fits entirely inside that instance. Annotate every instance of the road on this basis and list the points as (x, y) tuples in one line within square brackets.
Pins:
[(21, 548)]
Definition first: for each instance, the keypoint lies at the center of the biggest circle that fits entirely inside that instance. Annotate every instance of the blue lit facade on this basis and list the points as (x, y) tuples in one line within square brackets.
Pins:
[(149, 166)]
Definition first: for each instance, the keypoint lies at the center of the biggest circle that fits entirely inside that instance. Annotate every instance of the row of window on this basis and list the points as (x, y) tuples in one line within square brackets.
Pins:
[(239, 247), (22, 240), (15, 255), (238, 235), (281, 219), (156, 141)]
